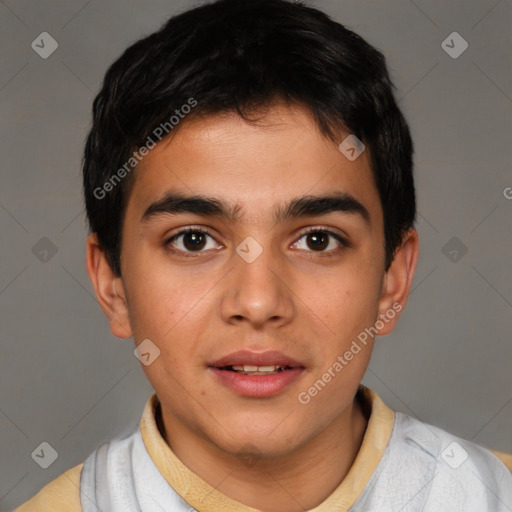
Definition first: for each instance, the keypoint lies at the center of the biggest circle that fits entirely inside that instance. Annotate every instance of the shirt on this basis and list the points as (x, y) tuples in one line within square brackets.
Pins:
[(402, 465)]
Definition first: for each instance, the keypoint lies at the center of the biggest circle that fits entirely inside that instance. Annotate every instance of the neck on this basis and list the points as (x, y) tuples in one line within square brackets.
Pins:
[(294, 482)]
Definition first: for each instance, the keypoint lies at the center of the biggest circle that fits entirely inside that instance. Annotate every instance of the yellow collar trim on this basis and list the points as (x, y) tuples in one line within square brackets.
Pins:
[(206, 498)]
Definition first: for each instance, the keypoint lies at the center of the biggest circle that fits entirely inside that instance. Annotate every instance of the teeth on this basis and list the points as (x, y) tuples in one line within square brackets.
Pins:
[(249, 368), (266, 368)]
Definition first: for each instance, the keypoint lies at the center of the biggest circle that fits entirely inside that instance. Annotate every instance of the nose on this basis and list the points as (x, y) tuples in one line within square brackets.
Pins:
[(259, 287)]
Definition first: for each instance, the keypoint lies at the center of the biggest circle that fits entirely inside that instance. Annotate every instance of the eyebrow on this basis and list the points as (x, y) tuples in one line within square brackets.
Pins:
[(175, 203)]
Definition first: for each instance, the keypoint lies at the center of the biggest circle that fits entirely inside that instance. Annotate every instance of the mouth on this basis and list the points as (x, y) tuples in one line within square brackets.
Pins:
[(256, 375), (249, 369)]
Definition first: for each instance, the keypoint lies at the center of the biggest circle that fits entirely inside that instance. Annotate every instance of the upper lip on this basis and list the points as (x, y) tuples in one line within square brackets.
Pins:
[(247, 357)]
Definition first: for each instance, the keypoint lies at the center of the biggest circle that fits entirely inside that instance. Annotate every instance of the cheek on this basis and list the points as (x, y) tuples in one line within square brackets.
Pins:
[(169, 307), (347, 300), (157, 298)]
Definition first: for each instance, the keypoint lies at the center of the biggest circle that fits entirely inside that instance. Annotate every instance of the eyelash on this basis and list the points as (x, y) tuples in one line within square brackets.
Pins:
[(191, 229)]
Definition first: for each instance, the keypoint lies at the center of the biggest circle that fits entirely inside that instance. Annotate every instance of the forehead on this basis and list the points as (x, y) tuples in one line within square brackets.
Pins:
[(252, 165)]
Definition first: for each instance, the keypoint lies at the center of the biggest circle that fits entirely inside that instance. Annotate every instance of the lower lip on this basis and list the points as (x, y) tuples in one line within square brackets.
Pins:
[(257, 386)]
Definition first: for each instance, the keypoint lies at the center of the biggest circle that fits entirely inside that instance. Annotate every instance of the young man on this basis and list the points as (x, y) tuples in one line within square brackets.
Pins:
[(248, 183)]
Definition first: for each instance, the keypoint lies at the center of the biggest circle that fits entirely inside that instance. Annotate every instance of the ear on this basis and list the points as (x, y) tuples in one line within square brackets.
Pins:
[(108, 287), (397, 282)]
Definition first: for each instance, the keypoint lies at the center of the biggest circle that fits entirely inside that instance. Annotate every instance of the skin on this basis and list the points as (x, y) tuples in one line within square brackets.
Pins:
[(292, 298)]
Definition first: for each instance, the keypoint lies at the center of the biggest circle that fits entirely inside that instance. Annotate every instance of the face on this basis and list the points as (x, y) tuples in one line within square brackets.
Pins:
[(259, 300)]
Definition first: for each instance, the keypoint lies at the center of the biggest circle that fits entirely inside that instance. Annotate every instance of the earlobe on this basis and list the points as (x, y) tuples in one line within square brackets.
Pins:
[(397, 281), (108, 287)]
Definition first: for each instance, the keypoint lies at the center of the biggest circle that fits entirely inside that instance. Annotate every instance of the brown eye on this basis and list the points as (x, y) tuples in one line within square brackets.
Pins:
[(193, 241), (318, 240), (189, 240)]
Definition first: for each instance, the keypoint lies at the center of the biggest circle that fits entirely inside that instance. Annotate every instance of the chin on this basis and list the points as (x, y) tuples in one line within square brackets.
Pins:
[(258, 443)]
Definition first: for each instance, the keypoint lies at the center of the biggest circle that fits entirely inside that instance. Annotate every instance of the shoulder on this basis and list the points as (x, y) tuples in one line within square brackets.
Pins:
[(460, 471), (60, 495), (63, 494), (454, 452), (506, 458)]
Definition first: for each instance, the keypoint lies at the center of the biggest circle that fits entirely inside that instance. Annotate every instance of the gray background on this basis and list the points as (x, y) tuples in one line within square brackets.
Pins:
[(67, 381)]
